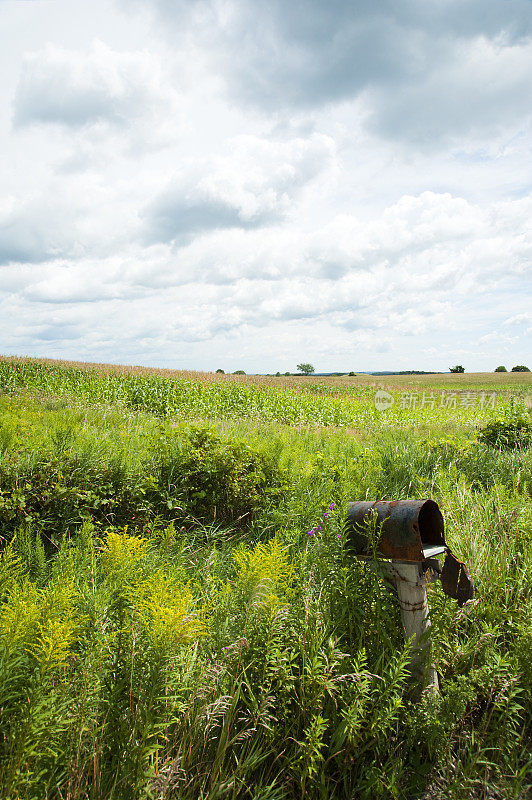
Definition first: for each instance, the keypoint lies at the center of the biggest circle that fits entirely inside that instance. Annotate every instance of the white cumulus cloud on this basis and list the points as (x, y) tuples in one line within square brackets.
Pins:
[(253, 184), (76, 89)]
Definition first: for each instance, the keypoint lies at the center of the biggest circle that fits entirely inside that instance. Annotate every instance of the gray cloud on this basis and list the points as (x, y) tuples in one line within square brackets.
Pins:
[(252, 185), (70, 217), (79, 89), (30, 235), (173, 217), (57, 333), (19, 246), (476, 93), (410, 61)]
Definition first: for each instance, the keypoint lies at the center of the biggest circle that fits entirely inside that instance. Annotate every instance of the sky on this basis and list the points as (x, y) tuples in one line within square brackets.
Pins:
[(235, 184)]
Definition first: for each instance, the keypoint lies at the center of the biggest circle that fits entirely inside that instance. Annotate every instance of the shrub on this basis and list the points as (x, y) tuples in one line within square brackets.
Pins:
[(207, 477), (58, 492), (501, 369), (179, 474), (513, 430)]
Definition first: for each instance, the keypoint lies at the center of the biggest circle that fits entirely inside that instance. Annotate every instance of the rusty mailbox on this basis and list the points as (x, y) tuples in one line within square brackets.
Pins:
[(406, 536), (408, 531)]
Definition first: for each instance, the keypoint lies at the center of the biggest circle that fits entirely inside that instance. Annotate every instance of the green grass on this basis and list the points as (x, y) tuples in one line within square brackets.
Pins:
[(170, 628)]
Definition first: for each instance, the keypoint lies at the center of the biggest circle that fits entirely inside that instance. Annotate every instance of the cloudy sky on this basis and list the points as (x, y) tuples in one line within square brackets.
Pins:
[(246, 184)]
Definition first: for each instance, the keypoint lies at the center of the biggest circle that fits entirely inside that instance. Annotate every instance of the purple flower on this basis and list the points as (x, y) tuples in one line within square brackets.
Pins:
[(331, 507), (311, 532), (338, 535), (318, 528)]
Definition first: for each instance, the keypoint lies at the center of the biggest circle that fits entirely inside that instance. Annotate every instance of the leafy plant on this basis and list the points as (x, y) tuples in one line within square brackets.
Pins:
[(513, 430), (207, 477)]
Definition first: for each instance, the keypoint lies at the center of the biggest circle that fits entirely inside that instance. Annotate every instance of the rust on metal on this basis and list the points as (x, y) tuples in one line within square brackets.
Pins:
[(408, 530), (403, 528), (456, 580)]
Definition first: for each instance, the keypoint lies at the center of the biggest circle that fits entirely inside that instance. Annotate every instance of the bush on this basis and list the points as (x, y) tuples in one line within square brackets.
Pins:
[(513, 430), (59, 492), (179, 475), (501, 369), (207, 477)]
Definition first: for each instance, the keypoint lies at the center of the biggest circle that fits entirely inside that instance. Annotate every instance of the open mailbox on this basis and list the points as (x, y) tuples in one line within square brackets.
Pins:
[(407, 531)]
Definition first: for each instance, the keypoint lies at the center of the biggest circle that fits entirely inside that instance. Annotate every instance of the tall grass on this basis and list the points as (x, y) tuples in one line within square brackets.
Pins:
[(149, 667)]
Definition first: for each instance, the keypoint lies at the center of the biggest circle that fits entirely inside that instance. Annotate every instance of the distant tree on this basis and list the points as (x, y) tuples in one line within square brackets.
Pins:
[(501, 369), (351, 374), (519, 368), (239, 372), (287, 374), (458, 368), (277, 374), (220, 371), (305, 369)]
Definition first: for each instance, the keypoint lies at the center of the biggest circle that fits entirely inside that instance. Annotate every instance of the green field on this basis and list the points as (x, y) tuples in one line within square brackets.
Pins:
[(182, 616)]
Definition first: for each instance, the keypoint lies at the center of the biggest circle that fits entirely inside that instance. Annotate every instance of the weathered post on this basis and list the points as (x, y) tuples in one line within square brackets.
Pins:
[(411, 584), (406, 536)]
